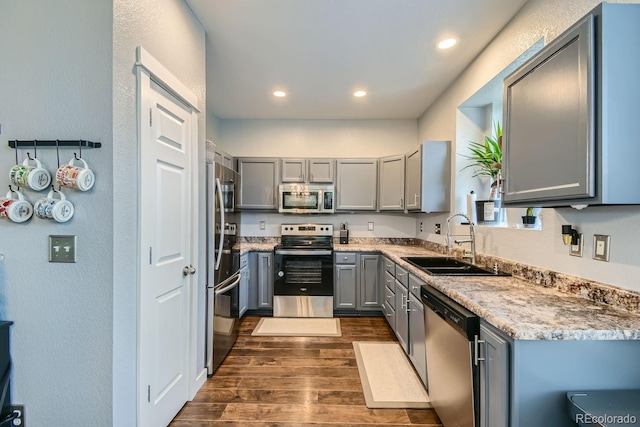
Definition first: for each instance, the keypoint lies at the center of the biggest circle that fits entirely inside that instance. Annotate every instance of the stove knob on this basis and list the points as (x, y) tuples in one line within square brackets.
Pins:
[(280, 273)]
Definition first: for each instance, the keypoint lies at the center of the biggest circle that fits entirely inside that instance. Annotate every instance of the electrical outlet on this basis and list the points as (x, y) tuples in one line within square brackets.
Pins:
[(263, 225), (601, 243), (438, 229), (370, 227), (421, 228), (17, 415), (62, 248), (576, 250)]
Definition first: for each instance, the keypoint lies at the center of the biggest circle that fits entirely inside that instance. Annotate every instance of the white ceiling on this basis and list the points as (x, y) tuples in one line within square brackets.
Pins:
[(321, 51)]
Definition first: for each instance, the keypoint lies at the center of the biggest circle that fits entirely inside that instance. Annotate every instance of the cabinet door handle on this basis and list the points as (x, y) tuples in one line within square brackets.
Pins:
[(401, 202), (477, 358)]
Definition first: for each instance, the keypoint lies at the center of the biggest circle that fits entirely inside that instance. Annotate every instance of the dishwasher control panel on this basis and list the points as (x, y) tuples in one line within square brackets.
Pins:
[(467, 322)]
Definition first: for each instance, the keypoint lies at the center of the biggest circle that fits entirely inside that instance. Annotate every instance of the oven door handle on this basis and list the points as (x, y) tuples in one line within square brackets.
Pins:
[(235, 282), (303, 252)]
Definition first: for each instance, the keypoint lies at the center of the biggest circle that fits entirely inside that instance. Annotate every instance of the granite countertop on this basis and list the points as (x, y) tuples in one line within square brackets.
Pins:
[(521, 309)]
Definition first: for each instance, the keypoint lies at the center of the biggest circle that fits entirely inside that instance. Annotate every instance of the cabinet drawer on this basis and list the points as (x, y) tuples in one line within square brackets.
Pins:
[(389, 280), (414, 285), (402, 275), (345, 258), (390, 266), (389, 297)]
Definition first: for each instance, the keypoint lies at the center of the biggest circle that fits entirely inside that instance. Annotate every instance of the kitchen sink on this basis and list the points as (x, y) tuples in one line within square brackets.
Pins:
[(447, 266)]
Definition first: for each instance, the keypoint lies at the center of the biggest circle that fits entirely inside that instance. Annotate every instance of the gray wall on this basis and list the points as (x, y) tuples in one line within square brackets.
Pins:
[(68, 72), (55, 82), (168, 30)]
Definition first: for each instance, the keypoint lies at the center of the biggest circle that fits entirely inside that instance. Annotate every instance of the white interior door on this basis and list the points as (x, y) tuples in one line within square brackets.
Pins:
[(165, 230)]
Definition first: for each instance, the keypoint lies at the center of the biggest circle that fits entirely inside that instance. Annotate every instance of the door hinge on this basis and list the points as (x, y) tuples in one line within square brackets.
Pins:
[(150, 117), (150, 255), (149, 394)]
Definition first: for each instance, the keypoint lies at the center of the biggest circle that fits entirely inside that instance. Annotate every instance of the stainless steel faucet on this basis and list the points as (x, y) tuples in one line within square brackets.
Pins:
[(471, 238)]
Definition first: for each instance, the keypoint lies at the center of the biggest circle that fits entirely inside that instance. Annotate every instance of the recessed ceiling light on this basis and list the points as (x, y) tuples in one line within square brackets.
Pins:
[(359, 93), (447, 43), (280, 93)]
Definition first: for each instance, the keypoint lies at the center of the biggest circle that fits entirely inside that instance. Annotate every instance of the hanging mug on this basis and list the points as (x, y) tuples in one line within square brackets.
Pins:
[(17, 210), (75, 177), (60, 210), (35, 177)]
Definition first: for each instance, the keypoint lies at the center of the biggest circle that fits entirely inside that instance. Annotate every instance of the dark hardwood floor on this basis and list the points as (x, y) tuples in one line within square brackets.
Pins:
[(295, 381)]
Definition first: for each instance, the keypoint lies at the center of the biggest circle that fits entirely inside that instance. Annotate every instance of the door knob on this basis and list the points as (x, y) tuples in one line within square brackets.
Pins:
[(189, 269)]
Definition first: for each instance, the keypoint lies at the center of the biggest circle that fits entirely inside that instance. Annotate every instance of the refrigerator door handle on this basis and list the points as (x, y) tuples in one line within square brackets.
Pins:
[(221, 207), (227, 288)]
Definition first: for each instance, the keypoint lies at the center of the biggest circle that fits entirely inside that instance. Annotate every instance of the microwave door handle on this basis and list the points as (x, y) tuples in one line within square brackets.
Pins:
[(320, 201), (221, 207)]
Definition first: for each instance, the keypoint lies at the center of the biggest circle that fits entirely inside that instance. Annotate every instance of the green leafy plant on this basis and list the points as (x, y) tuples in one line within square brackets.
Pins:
[(487, 158), (529, 212)]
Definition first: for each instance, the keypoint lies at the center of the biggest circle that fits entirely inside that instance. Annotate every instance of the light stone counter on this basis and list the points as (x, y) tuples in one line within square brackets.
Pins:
[(559, 308), (522, 309)]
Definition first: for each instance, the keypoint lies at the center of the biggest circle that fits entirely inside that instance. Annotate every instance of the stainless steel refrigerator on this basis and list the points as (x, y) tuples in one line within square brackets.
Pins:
[(223, 264)]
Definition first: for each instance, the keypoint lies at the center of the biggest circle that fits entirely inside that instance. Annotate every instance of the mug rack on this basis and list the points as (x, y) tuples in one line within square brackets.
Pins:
[(54, 143)]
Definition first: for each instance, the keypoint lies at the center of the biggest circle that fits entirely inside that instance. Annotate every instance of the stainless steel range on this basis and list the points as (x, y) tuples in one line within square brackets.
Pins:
[(303, 283)]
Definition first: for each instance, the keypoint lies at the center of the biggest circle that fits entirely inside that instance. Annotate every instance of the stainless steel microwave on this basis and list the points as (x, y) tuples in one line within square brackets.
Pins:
[(305, 198)]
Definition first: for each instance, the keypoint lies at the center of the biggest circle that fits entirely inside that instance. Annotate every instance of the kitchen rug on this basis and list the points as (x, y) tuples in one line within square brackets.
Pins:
[(388, 379), (297, 327)]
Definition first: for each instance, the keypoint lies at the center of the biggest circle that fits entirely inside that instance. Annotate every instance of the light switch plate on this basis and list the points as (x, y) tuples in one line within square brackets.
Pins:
[(62, 248), (576, 250), (370, 228), (601, 243)]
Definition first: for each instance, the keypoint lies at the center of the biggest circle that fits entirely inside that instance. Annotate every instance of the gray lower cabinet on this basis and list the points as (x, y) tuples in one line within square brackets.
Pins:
[(493, 363), (357, 281), (344, 280), (402, 316), (244, 284), (357, 184), (345, 287), (417, 347), (260, 281), (389, 306), (259, 183), (370, 297)]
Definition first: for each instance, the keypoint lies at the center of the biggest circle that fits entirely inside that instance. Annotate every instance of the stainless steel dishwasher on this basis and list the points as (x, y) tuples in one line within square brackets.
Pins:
[(451, 333)]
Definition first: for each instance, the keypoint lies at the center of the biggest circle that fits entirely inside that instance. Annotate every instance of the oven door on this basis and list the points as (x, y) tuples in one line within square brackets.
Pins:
[(303, 283)]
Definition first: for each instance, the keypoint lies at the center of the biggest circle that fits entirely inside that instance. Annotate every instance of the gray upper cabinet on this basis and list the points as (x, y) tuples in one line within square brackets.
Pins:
[(391, 183), (571, 116), (258, 188), (356, 187), (313, 171), (321, 171), (428, 177), (225, 159), (294, 170)]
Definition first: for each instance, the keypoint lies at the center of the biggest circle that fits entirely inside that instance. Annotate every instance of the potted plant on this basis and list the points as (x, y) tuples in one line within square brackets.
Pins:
[(486, 158), (529, 219)]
